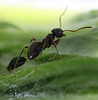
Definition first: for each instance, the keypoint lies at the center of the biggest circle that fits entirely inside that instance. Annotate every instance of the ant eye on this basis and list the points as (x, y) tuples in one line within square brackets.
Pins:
[(58, 32)]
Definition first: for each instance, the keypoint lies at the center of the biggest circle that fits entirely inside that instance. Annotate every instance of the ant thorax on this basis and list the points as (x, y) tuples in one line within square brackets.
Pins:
[(48, 38)]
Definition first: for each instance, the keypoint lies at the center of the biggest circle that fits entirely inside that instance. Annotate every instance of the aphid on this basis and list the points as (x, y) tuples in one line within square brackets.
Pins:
[(36, 47), (12, 63)]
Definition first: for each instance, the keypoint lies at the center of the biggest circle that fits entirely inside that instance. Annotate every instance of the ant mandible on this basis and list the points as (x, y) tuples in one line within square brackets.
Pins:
[(36, 47)]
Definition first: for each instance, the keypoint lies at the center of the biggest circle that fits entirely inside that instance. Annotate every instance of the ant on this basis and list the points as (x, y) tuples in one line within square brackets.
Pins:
[(36, 47)]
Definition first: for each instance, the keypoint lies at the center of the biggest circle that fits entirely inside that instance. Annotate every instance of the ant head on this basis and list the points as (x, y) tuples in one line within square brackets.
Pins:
[(58, 32)]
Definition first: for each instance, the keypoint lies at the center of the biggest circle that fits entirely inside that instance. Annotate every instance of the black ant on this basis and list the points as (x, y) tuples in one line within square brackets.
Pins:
[(36, 47)]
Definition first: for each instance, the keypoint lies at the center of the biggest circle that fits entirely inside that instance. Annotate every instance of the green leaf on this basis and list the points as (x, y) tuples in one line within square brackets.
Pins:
[(67, 75)]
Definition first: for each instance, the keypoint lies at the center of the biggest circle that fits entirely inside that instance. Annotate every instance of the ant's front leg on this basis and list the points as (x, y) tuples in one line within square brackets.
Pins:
[(18, 58), (55, 43)]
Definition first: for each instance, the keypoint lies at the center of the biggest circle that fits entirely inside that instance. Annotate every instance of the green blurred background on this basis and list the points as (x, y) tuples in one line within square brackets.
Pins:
[(75, 75)]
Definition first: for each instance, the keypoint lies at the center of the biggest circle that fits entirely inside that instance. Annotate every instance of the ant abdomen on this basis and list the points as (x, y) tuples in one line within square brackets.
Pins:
[(12, 63), (34, 50), (58, 32)]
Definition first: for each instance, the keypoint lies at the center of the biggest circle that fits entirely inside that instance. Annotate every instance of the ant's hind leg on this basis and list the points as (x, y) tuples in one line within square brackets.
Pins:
[(18, 58)]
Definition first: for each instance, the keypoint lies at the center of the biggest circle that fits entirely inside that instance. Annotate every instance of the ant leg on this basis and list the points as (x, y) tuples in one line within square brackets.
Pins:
[(56, 42), (18, 58), (33, 39), (56, 48), (37, 61), (78, 29)]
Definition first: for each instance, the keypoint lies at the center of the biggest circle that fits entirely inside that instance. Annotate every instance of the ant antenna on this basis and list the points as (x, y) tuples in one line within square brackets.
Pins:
[(61, 16), (78, 29)]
